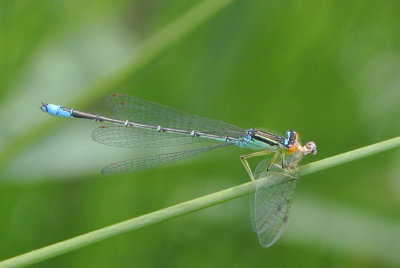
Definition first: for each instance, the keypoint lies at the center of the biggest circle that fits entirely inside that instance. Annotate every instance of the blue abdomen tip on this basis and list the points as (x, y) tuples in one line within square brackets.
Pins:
[(56, 110)]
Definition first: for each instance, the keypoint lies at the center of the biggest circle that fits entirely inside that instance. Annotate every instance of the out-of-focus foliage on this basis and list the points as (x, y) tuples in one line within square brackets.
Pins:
[(329, 69)]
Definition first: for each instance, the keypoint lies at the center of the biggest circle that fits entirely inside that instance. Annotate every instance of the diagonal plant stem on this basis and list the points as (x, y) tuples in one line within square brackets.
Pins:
[(185, 208), (162, 40)]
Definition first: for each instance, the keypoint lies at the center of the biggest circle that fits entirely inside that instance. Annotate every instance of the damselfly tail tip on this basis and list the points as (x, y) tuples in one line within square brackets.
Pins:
[(43, 107)]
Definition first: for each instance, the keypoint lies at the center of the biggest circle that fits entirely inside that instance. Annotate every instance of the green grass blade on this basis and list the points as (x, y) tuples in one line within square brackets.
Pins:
[(141, 56), (184, 208), (350, 156)]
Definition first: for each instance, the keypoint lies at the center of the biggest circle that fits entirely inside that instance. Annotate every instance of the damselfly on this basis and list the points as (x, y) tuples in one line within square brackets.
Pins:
[(140, 123)]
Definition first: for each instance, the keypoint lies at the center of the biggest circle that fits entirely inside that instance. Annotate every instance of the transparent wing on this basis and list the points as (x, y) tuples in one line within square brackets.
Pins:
[(271, 202), (129, 137), (147, 112), (261, 168), (155, 160)]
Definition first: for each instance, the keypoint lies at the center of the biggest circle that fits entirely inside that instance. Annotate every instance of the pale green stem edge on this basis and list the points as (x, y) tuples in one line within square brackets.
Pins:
[(142, 55), (184, 208)]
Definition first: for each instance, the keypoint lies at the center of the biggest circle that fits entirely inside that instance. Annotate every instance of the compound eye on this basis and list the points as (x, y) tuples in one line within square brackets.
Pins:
[(291, 138), (286, 141)]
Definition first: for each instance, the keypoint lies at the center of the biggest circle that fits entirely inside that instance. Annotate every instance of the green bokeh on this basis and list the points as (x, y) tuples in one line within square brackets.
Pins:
[(329, 69)]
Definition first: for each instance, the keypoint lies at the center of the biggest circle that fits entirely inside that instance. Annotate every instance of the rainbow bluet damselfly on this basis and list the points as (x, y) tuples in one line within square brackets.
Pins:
[(140, 123)]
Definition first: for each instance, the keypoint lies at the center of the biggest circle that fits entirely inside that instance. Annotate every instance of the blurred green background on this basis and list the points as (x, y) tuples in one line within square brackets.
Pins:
[(328, 69)]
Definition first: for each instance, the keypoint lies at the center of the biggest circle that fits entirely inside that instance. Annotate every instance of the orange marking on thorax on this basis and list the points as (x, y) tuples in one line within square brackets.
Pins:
[(294, 146)]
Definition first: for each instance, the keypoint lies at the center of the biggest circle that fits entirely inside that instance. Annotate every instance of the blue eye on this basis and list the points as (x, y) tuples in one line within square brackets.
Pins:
[(291, 138), (286, 141)]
